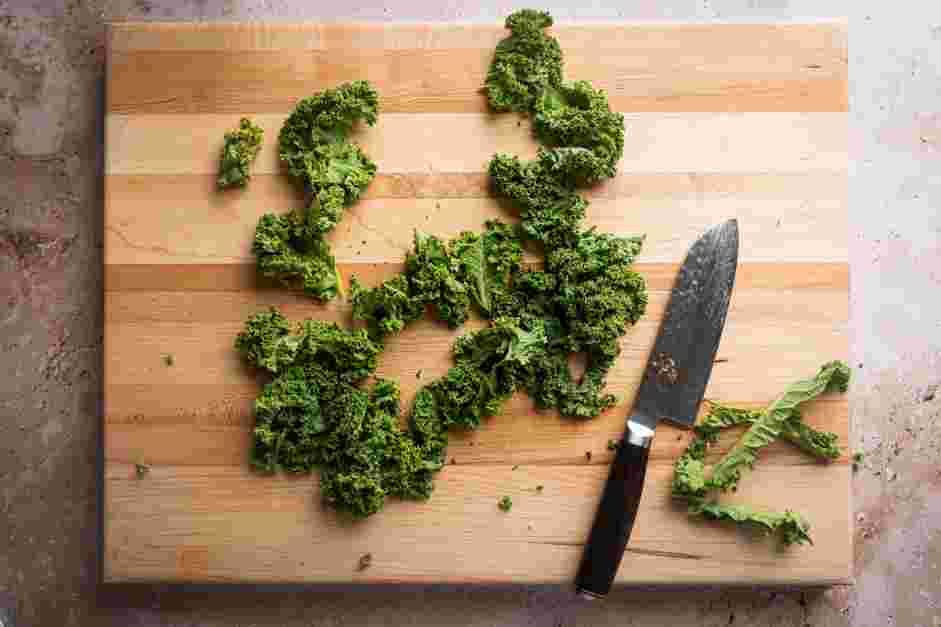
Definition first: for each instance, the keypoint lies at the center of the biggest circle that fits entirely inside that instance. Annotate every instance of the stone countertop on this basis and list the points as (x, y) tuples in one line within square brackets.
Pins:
[(51, 77)]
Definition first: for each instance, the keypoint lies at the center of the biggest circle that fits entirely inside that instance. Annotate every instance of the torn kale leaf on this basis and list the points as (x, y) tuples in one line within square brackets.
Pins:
[(524, 64), (432, 279), (314, 142), (783, 419), (239, 150), (314, 145), (587, 137), (317, 413), (285, 255), (387, 308), (486, 263)]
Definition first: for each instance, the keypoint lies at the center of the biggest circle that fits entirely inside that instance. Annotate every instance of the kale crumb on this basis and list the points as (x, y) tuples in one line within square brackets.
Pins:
[(364, 562), (858, 458), (418, 374), (141, 470), (168, 359), (613, 445), (505, 504)]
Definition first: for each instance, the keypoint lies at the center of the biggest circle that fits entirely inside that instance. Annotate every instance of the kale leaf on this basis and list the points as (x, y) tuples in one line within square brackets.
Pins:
[(486, 263), (314, 145), (524, 64), (780, 419), (239, 150), (832, 376)]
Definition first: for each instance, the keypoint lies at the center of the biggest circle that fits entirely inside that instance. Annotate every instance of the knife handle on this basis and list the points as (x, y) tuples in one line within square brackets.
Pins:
[(615, 516)]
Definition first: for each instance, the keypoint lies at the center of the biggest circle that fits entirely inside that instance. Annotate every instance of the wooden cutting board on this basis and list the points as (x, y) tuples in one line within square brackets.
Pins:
[(730, 120)]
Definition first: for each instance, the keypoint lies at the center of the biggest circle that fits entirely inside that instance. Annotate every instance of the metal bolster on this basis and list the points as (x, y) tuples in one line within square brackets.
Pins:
[(639, 434)]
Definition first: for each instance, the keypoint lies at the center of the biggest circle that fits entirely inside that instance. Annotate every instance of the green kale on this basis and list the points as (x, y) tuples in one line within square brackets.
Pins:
[(486, 263), (781, 419), (833, 376), (551, 211), (505, 504), (239, 150), (386, 308), (858, 458), (790, 526), (432, 279), (587, 137), (288, 255), (314, 145), (266, 342), (524, 64), (318, 412)]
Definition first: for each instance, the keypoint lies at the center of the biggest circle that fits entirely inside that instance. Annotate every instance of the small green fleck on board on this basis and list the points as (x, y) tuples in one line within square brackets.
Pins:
[(505, 504)]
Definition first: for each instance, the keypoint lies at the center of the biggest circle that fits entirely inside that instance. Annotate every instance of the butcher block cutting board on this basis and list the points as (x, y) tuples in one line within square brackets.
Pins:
[(725, 120)]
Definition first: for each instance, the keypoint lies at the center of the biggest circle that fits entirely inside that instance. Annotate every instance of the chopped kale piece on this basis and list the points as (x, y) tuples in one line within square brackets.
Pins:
[(239, 150)]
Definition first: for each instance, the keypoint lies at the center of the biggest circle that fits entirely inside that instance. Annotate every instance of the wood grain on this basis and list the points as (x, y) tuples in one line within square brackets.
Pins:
[(402, 143), (742, 67), (731, 120), (782, 217), (257, 529)]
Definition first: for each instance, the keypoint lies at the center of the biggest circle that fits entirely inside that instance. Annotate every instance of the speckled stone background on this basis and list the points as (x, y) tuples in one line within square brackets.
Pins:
[(51, 78)]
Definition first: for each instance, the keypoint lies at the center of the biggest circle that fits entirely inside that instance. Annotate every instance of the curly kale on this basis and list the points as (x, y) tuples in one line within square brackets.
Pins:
[(486, 263), (780, 419), (432, 279), (586, 136), (447, 276), (490, 365), (318, 411), (314, 146), (524, 64), (239, 150), (285, 253), (386, 309)]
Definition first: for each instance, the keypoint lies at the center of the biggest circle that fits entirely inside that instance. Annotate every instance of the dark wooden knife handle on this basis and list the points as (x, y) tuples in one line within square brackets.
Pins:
[(615, 517)]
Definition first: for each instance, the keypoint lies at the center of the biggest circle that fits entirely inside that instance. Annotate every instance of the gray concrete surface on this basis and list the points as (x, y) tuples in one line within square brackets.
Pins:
[(51, 68)]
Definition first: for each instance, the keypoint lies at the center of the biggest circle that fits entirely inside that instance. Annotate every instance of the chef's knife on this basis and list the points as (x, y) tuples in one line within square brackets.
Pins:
[(672, 388)]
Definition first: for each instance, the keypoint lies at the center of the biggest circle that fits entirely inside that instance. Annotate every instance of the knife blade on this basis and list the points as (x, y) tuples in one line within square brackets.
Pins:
[(672, 388)]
